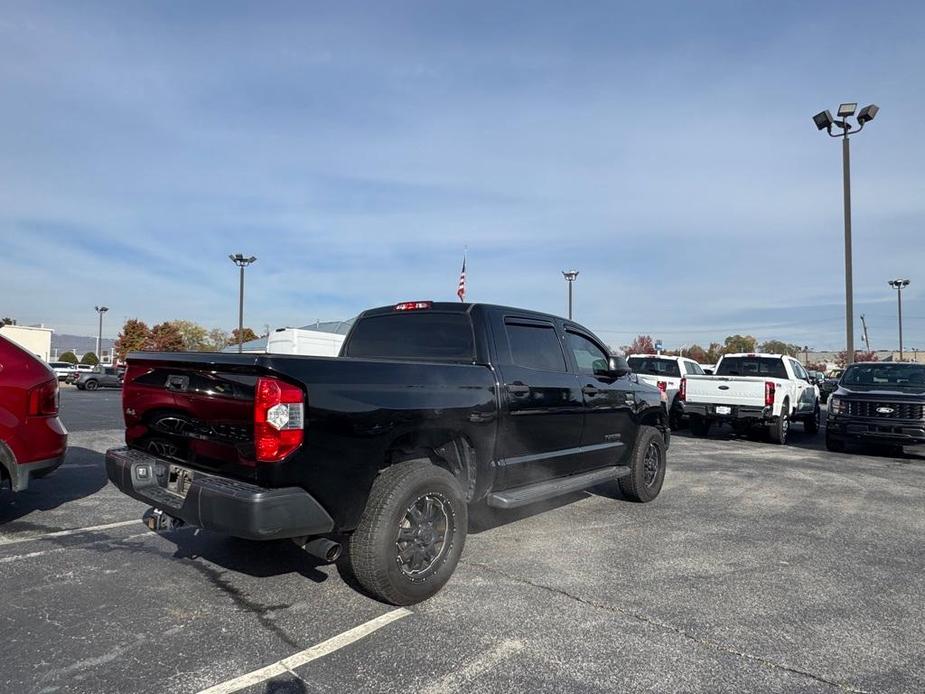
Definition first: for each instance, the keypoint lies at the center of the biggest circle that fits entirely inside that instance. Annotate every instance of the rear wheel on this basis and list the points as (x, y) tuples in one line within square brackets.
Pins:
[(411, 534), (675, 414), (91, 385), (700, 426), (811, 425), (647, 467), (781, 428)]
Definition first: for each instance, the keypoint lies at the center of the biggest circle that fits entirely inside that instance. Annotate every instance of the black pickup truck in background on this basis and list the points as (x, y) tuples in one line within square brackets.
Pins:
[(881, 403), (430, 408)]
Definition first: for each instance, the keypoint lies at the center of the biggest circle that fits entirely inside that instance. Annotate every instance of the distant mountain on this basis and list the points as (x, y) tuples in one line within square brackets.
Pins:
[(77, 343)]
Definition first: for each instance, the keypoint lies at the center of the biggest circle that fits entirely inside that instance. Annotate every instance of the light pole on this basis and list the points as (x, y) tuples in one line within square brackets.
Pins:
[(898, 285), (824, 121), (242, 262), (99, 336), (570, 277)]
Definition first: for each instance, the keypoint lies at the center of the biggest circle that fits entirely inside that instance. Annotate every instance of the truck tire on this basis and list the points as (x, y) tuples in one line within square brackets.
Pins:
[(647, 467), (834, 444), (811, 423), (700, 426), (411, 534), (675, 414), (781, 426)]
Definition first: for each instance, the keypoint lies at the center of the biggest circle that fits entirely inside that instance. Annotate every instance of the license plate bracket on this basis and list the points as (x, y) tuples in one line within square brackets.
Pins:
[(723, 409)]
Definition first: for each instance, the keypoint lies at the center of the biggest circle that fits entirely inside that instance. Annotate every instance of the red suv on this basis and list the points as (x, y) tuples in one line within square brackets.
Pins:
[(32, 438)]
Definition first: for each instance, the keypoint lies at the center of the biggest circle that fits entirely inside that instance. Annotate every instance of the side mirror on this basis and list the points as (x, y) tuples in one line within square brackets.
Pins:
[(618, 367)]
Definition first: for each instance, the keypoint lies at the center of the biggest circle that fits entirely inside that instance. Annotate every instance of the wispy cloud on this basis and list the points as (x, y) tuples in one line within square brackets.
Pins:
[(665, 151)]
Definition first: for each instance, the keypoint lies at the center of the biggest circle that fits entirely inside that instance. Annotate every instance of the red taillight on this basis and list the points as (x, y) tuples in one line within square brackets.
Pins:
[(278, 419), (682, 390), (769, 391), (412, 305), (43, 399)]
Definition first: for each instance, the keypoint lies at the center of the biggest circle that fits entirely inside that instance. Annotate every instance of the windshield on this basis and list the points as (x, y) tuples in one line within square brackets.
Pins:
[(653, 366), (890, 375), (772, 367)]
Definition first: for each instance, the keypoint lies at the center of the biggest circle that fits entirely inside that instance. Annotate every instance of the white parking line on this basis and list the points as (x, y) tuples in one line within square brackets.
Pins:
[(64, 533), (299, 659), (45, 552)]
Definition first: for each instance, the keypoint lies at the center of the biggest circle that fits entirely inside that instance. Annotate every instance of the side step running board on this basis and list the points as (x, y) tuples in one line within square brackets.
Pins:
[(521, 496)]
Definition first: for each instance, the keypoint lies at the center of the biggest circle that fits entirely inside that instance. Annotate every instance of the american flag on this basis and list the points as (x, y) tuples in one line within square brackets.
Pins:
[(461, 289)]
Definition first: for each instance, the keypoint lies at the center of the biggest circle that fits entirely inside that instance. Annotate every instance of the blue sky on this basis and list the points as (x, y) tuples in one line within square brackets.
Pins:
[(665, 150)]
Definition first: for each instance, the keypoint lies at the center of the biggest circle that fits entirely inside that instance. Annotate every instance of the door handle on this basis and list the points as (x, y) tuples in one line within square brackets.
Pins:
[(591, 390), (517, 388)]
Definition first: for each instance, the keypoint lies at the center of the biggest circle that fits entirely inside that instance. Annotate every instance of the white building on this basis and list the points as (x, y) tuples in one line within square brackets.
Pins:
[(34, 338)]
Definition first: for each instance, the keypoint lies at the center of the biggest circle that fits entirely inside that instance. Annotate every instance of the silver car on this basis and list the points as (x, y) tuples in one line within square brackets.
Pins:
[(100, 377)]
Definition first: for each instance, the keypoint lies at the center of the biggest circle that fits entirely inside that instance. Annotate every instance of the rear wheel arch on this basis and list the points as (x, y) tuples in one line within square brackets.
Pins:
[(450, 450)]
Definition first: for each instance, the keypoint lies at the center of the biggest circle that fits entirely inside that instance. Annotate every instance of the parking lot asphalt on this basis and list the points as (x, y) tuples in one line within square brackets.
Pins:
[(759, 568)]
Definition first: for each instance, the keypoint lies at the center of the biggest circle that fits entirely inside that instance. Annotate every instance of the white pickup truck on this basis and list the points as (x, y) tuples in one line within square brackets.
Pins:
[(665, 373), (752, 390)]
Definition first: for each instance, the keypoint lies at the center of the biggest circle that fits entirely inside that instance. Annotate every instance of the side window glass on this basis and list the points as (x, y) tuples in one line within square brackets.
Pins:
[(693, 369), (590, 358), (535, 346)]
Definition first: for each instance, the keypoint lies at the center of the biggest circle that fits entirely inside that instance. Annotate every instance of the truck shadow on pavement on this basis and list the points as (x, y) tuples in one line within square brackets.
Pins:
[(256, 559), (82, 474)]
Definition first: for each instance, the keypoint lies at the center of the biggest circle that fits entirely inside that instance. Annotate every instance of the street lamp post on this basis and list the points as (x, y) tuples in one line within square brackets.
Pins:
[(824, 121), (898, 285), (570, 277), (242, 262), (99, 336)]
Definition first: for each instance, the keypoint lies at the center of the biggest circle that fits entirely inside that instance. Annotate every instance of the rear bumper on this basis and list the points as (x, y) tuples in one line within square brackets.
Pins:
[(21, 474), (899, 432), (219, 503), (737, 412)]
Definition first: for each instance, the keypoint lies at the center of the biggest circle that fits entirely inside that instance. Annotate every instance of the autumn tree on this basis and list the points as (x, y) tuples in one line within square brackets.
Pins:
[(714, 352), (195, 337), (697, 353), (842, 358), (90, 359), (643, 344), (739, 343), (165, 337), (217, 340), (69, 357), (779, 347), (133, 338), (248, 335)]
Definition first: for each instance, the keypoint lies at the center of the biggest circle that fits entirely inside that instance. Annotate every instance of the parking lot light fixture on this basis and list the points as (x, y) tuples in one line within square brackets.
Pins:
[(824, 121), (899, 285), (99, 336), (242, 262), (570, 277)]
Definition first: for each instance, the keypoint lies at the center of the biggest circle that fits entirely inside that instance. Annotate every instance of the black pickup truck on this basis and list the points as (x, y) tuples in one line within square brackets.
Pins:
[(430, 408), (878, 403)]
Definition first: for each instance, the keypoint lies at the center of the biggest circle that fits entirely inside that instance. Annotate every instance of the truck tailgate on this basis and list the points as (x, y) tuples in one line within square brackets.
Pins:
[(726, 390), (201, 415)]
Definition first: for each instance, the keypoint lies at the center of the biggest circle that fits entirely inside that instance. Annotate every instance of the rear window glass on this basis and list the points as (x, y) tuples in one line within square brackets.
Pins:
[(653, 366), (424, 335), (752, 366)]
